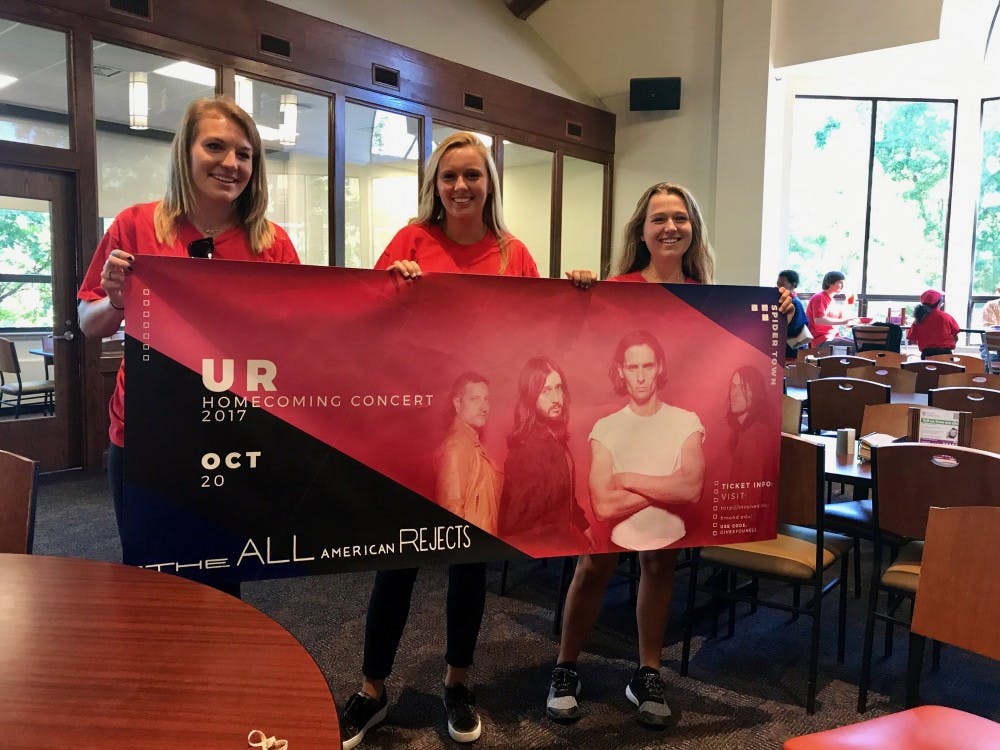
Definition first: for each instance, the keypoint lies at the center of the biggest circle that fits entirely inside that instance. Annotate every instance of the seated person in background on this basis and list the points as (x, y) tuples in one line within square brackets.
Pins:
[(822, 319), (991, 321), (933, 330), (789, 280)]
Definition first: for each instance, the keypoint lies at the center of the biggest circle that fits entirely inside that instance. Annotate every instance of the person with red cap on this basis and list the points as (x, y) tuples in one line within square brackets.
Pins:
[(933, 331)]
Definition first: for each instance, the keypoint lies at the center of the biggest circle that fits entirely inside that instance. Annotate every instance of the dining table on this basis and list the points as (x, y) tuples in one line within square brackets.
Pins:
[(844, 467), (101, 655), (48, 358)]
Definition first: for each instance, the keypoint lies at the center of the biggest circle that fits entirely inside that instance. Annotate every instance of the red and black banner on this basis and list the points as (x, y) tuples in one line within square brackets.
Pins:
[(287, 420)]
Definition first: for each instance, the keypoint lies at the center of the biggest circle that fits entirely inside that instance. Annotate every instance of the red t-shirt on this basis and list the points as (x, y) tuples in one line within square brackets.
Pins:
[(937, 331), (133, 232), (637, 276), (429, 246), (819, 303)]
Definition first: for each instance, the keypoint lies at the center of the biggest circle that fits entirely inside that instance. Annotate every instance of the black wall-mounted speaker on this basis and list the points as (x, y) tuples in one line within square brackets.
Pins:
[(650, 94)]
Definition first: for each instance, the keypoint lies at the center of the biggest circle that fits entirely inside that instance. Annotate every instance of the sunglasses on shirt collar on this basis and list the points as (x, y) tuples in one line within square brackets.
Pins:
[(203, 247)]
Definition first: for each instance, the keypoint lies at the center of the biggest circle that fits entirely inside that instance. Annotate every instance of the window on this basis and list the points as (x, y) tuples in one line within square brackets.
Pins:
[(870, 193), (986, 257), (33, 85), (527, 199), (25, 264)]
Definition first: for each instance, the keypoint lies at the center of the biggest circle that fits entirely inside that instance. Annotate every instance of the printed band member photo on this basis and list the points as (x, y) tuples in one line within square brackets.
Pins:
[(749, 446), (459, 228), (214, 206), (539, 513), (468, 482), (646, 455)]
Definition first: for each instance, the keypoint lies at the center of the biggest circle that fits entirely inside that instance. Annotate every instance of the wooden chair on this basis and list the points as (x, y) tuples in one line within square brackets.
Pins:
[(801, 354), (20, 391), (18, 485), (986, 434), (921, 728), (969, 362), (958, 593), (928, 371), (898, 379), (970, 380), (836, 367), (991, 339), (791, 415), (980, 402), (799, 557), (840, 402), (877, 337), (883, 358), (890, 419), (798, 373), (907, 480)]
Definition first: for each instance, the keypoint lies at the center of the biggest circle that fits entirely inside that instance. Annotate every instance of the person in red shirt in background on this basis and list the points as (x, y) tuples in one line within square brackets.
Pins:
[(822, 319), (933, 330)]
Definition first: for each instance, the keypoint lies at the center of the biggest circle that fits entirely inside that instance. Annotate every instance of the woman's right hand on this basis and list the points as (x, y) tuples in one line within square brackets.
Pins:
[(408, 269), (113, 276)]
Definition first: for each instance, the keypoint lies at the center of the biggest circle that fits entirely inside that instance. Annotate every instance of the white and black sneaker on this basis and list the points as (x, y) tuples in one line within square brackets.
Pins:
[(562, 704), (464, 724), (645, 690), (361, 713)]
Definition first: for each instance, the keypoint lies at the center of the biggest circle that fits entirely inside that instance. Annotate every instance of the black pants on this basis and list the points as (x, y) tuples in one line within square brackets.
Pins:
[(389, 608), (933, 351), (116, 481)]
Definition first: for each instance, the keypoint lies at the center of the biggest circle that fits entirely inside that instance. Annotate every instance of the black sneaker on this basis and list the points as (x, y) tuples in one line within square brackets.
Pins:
[(361, 713), (561, 704), (463, 719), (645, 690)]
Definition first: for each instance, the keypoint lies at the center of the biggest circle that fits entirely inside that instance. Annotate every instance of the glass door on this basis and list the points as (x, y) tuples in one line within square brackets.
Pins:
[(40, 412)]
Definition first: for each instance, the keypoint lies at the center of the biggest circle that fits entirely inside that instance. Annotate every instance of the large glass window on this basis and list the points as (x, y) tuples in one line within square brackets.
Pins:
[(33, 85), (381, 168), (139, 100), (294, 127), (883, 163), (527, 199), (986, 258)]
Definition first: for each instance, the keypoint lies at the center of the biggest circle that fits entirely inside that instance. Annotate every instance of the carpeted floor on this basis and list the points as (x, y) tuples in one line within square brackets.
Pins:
[(745, 692)]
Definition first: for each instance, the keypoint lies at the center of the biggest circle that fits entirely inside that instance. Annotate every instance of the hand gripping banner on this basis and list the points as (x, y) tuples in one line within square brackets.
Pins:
[(289, 420)]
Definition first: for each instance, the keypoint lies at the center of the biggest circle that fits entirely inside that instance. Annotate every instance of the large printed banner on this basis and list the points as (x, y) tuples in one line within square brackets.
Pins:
[(288, 420)]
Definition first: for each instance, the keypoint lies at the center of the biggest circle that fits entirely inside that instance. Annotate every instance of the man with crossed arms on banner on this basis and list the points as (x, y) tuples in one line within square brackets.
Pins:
[(645, 455)]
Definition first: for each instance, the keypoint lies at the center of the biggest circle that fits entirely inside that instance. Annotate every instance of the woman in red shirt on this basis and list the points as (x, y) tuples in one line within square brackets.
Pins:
[(216, 199), (933, 330)]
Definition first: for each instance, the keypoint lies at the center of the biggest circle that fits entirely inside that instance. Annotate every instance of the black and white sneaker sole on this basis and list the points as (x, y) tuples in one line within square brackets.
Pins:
[(373, 722), (471, 736)]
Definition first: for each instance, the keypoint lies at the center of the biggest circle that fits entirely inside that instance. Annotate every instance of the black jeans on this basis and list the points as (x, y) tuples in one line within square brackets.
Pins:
[(389, 608), (116, 481), (933, 351)]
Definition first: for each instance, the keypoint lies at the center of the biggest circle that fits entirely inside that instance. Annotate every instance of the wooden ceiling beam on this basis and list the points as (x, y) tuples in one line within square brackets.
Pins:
[(524, 8)]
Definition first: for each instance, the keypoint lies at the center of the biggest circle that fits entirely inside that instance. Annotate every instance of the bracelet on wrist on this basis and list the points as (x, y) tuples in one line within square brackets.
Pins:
[(114, 305)]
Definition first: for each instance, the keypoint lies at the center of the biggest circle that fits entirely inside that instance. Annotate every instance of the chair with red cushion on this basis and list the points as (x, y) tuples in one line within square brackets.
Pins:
[(921, 728)]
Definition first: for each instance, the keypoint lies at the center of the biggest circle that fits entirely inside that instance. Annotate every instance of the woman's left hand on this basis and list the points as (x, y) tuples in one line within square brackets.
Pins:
[(582, 278)]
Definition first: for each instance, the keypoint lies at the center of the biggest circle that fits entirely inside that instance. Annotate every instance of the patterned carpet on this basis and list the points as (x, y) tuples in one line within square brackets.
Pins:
[(745, 692)]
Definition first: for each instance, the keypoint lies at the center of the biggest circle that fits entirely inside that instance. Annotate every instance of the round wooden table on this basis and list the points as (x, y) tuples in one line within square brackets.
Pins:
[(99, 655)]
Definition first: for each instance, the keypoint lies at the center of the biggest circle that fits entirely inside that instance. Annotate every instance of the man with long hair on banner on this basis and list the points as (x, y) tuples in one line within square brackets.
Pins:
[(538, 510)]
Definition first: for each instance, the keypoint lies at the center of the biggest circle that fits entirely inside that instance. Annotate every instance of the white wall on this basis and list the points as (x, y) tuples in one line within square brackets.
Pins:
[(481, 34)]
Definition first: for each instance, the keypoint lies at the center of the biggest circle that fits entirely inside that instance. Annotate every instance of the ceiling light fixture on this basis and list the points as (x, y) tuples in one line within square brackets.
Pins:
[(190, 72), (288, 106), (244, 94), (6, 80), (138, 101)]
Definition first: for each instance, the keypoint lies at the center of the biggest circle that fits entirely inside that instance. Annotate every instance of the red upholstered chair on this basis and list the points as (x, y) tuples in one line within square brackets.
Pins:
[(921, 728)]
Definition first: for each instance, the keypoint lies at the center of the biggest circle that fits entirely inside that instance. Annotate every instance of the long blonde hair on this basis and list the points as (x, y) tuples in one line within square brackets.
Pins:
[(430, 210), (698, 262), (179, 199)]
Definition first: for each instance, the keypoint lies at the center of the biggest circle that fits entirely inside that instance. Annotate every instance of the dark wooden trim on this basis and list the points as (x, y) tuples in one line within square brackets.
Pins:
[(338, 172), (524, 8), (555, 219), (345, 55)]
